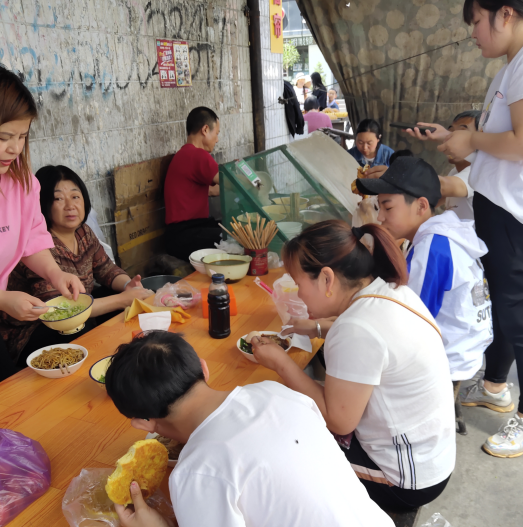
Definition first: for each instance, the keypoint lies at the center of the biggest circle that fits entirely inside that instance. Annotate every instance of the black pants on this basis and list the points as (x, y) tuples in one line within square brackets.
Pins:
[(390, 498), (182, 239), (503, 235)]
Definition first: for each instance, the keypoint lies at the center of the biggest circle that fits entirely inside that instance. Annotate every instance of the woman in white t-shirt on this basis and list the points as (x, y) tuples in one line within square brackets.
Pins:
[(497, 179), (387, 377)]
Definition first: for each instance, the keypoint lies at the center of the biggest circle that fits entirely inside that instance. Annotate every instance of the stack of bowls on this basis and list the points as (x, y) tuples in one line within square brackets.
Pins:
[(196, 258), (291, 229)]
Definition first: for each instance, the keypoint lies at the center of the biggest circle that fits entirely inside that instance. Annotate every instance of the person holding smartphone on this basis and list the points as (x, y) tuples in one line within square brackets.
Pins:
[(497, 179)]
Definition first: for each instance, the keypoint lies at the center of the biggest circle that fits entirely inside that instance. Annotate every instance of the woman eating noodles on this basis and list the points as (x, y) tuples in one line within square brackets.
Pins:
[(23, 234), (65, 206), (387, 375)]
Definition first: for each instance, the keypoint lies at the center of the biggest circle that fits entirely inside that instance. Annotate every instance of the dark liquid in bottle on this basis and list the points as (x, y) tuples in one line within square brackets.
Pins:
[(219, 314)]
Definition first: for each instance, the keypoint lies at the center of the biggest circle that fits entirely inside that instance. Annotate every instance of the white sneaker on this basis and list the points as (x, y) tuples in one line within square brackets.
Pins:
[(478, 395), (508, 442)]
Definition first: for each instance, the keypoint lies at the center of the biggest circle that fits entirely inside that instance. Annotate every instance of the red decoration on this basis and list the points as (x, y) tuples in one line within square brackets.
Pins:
[(277, 25), (277, 2)]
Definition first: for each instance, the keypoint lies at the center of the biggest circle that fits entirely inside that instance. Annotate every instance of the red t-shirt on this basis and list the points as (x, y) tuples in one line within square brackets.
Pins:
[(186, 190)]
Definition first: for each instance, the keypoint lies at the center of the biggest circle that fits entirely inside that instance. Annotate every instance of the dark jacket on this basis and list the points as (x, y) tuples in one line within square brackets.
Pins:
[(321, 95), (293, 113)]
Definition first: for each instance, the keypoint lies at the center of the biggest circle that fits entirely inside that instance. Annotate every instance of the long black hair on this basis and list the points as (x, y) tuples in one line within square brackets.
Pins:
[(492, 6), (48, 177), (317, 83)]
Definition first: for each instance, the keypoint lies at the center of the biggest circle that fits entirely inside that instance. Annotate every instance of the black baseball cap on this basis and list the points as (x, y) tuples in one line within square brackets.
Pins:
[(407, 175)]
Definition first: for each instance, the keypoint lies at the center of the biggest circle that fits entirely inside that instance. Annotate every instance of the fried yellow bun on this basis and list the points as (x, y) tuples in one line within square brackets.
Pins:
[(145, 463)]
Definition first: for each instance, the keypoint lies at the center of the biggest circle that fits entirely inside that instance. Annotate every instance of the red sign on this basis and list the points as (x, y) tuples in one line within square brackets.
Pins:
[(277, 2), (277, 25), (166, 65)]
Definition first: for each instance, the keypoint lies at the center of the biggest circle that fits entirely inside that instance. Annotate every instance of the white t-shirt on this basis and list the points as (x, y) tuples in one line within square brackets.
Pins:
[(266, 458), (499, 180), (408, 426)]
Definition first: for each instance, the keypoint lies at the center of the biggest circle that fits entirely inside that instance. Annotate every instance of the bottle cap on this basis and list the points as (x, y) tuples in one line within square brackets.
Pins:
[(218, 278)]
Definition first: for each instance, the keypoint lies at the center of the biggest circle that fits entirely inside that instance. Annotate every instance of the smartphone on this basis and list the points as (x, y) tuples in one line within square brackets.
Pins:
[(422, 129)]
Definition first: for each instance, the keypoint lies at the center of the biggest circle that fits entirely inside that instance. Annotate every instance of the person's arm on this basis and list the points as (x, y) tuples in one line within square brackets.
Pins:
[(19, 305), (453, 187), (506, 145), (304, 326), (376, 171), (44, 265), (439, 135), (119, 302)]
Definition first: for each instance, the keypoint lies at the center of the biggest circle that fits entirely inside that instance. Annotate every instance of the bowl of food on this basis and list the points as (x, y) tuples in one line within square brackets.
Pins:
[(233, 266), (287, 202), (173, 447), (245, 346), (196, 258), (277, 212), (57, 361), (99, 369), (291, 229), (71, 317)]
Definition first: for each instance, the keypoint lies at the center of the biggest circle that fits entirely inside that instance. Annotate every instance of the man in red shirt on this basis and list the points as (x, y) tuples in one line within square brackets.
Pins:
[(191, 178)]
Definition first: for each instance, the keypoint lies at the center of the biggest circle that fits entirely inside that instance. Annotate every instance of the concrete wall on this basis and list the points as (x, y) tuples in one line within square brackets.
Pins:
[(91, 65)]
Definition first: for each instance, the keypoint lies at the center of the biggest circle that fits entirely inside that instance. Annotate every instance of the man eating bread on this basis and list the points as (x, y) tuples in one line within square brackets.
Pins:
[(258, 455)]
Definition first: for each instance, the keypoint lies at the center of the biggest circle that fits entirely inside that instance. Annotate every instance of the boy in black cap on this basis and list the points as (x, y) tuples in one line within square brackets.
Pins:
[(443, 261)]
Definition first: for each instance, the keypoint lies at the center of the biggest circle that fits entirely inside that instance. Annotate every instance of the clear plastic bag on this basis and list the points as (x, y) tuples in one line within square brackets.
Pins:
[(274, 261), (437, 520), (179, 294), (288, 303), (25, 473), (86, 499), (366, 212), (230, 247)]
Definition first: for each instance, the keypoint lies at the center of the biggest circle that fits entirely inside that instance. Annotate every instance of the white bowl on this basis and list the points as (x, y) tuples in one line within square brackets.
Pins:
[(57, 374), (99, 368), (250, 356), (153, 435), (195, 258)]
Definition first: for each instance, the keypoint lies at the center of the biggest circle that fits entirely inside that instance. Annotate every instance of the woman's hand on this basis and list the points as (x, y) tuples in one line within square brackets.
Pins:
[(376, 172), (20, 305), (268, 354), (141, 515), (458, 145), (439, 135), (68, 284), (135, 282), (129, 295), (301, 326)]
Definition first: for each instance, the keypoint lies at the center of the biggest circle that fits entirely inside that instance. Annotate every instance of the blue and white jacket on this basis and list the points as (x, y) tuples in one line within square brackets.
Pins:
[(445, 271), (382, 155)]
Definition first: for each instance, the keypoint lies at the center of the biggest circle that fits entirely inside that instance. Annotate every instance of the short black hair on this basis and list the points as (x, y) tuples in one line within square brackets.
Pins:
[(492, 6), (410, 199), (311, 103), (400, 153), (369, 125), (469, 114), (150, 373), (49, 176), (198, 118)]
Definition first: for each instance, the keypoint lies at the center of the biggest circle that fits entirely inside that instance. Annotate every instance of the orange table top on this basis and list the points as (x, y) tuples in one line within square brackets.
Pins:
[(78, 425)]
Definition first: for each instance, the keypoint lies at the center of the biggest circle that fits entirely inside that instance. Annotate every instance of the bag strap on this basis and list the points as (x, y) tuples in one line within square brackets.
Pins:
[(403, 305)]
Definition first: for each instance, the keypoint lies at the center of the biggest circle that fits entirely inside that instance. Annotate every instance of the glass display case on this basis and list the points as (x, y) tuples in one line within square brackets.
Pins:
[(295, 185)]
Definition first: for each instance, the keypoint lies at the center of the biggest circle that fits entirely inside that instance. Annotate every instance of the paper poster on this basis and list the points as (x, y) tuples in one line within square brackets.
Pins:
[(183, 64), (166, 68), (276, 25)]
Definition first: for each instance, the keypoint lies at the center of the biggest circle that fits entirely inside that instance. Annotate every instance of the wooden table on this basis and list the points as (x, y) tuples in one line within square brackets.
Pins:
[(78, 425)]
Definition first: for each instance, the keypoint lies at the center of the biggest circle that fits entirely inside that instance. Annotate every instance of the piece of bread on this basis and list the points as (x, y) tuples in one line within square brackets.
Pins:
[(361, 174), (145, 463)]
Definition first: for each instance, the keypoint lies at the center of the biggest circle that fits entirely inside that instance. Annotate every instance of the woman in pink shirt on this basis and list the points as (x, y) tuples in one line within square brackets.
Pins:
[(314, 117), (23, 231)]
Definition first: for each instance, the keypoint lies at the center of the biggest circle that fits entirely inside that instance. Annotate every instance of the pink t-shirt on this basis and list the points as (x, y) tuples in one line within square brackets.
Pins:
[(23, 231), (317, 120)]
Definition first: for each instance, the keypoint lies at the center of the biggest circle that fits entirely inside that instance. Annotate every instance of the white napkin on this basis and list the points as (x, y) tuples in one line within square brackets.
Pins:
[(160, 320), (298, 341)]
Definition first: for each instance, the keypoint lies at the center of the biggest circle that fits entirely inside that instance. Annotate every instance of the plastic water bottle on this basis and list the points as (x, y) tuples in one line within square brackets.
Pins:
[(219, 310)]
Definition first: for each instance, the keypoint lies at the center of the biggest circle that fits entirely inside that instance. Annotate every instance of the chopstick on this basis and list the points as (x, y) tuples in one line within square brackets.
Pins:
[(249, 238)]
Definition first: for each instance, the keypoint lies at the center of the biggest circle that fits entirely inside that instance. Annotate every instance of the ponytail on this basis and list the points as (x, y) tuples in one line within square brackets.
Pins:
[(335, 245)]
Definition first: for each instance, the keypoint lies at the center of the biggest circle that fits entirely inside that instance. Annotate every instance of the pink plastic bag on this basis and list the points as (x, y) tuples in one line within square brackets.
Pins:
[(25, 473), (86, 499)]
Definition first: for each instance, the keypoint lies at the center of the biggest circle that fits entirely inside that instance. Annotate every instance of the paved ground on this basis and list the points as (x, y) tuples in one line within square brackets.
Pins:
[(484, 491)]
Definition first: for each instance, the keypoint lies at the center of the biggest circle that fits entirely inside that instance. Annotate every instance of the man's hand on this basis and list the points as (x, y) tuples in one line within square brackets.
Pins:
[(20, 305), (141, 515), (68, 284), (439, 135)]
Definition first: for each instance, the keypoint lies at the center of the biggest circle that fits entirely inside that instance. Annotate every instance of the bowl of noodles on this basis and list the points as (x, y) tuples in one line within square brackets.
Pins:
[(57, 361), (72, 320)]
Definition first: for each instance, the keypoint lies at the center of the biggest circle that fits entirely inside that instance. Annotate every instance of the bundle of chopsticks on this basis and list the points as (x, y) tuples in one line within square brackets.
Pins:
[(253, 239)]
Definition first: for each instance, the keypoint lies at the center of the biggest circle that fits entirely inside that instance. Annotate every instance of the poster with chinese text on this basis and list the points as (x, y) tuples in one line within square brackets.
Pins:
[(183, 64), (166, 66), (276, 25)]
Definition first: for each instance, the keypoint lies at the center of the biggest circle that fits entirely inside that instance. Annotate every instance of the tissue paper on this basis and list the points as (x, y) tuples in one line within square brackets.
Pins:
[(155, 321)]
